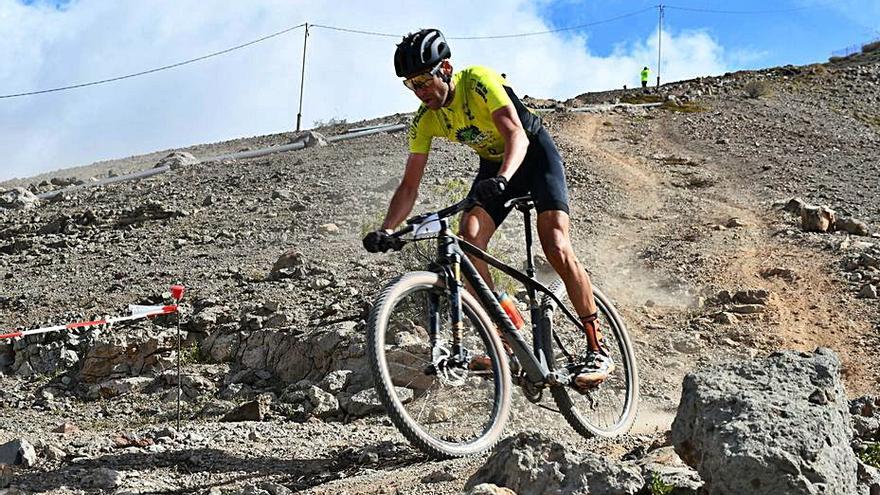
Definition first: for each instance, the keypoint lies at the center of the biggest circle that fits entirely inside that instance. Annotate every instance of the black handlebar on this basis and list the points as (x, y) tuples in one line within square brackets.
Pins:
[(395, 241), (462, 205)]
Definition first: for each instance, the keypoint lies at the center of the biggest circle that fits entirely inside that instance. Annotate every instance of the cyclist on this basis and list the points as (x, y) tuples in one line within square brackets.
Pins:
[(517, 157)]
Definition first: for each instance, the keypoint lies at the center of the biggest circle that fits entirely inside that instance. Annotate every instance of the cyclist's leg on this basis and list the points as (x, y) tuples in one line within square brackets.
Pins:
[(553, 231), (477, 228), (551, 200), (479, 224)]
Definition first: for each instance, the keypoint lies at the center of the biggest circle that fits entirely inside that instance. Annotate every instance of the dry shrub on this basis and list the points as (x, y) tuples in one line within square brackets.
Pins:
[(640, 98), (871, 47), (757, 89), (818, 70), (686, 107)]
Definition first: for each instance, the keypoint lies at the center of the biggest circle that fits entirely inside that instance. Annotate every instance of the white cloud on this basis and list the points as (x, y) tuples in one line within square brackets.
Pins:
[(862, 13), (255, 90)]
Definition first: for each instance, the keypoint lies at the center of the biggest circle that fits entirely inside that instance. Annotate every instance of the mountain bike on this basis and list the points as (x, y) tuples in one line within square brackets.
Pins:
[(425, 334)]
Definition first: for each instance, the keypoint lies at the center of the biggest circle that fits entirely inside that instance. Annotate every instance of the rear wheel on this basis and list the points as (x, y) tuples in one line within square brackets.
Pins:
[(427, 384), (609, 409)]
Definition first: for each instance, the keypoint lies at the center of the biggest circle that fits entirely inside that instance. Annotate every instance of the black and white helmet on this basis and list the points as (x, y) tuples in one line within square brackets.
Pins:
[(419, 52)]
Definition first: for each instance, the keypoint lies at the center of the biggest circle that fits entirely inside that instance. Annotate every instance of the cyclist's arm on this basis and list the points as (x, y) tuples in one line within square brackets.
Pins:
[(517, 142), (405, 196)]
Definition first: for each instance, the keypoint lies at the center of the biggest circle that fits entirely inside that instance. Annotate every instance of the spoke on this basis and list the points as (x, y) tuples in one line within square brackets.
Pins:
[(425, 403)]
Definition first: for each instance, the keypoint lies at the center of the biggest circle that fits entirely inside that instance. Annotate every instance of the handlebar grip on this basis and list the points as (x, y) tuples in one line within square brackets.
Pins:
[(395, 243)]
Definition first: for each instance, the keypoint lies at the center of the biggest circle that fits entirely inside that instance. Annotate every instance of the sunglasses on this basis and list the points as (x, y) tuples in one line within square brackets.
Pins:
[(422, 80)]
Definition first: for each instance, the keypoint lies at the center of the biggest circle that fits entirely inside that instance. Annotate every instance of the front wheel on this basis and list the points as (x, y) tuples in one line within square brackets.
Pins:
[(609, 409), (433, 391)]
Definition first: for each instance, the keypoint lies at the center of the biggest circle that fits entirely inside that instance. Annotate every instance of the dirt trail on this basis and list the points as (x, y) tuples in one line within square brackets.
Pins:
[(672, 239)]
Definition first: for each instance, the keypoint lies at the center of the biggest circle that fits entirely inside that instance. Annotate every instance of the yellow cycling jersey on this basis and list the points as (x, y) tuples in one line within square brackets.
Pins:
[(479, 91)]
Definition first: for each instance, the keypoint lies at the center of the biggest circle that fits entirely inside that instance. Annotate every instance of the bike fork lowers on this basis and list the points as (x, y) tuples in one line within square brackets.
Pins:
[(452, 265)]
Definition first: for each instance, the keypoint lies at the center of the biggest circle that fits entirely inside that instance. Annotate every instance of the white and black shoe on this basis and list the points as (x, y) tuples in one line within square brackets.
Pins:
[(595, 368)]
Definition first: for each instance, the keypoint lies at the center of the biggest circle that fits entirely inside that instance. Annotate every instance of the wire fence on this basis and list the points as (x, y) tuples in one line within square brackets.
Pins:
[(853, 49)]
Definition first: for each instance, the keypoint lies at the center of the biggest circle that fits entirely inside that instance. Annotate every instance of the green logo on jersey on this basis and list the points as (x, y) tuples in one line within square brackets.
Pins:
[(468, 134)]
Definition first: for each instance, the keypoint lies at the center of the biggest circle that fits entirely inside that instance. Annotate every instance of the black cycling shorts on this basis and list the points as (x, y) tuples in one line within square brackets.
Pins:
[(541, 174)]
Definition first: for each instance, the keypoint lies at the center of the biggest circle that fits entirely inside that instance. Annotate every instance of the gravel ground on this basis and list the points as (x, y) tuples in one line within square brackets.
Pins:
[(673, 214)]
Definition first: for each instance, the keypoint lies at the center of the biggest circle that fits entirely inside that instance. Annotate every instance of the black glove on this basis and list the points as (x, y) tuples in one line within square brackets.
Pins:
[(490, 188), (377, 241)]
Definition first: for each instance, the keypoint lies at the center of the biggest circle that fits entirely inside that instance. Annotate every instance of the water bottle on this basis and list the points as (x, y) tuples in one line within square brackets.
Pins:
[(513, 313)]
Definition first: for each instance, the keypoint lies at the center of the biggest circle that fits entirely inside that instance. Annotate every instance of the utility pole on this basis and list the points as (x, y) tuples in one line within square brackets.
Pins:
[(302, 80), (659, 41)]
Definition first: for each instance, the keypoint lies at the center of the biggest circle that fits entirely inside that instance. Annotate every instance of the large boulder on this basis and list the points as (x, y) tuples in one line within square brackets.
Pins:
[(45, 354), (768, 426), (294, 356), (138, 352), (530, 463)]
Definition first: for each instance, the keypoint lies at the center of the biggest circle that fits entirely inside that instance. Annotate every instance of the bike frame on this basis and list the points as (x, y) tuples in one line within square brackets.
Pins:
[(450, 250)]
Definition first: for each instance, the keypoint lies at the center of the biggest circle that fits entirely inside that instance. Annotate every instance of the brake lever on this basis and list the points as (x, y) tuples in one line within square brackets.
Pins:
[(393, 243), (396, 243)]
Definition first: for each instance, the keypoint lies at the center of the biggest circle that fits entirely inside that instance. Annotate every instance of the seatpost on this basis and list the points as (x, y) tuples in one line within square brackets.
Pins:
[(530, 261), (530, 271)]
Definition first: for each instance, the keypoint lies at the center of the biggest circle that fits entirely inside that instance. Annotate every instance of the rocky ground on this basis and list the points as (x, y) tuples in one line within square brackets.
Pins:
[(681, 213)]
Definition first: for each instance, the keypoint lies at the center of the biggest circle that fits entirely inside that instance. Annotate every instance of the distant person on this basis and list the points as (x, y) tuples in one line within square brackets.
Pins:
[(517, 157), (645, 74)]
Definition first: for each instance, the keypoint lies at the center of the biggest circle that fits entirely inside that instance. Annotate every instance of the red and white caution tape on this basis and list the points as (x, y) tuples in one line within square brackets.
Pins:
[(137, 312)]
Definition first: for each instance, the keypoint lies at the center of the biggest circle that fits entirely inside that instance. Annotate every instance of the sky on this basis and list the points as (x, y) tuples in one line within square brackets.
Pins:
[(255, 90)]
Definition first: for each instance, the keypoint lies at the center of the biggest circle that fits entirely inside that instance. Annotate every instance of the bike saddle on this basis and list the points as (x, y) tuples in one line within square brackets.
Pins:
[(521, 203)]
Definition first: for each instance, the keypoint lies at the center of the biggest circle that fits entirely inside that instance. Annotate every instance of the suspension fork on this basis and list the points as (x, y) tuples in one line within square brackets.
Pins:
[(450, 256)]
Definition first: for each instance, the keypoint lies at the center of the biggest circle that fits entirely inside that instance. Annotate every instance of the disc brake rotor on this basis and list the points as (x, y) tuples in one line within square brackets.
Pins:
[(449, 370)]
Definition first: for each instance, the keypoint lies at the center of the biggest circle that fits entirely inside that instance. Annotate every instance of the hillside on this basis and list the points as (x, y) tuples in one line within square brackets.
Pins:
[(674, 208)]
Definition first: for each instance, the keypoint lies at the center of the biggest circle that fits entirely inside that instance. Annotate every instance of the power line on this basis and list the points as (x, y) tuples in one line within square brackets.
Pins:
[(497, 36), (713, 11), (570, 28), (157, 69), (355, 31), (391, 35)]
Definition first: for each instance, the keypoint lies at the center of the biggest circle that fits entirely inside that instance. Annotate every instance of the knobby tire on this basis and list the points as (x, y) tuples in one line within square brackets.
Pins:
[(417, 433)]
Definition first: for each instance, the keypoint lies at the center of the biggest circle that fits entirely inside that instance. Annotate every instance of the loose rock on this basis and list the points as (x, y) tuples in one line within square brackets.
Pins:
[(531, 463), (18, 452), (750, 427)]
